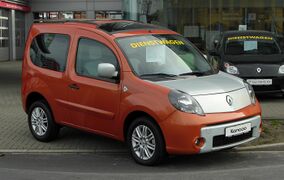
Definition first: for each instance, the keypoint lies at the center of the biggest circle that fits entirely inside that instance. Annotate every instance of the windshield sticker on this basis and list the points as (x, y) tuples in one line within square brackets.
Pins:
[(250, 45), (156, 42), (250, 37), (156, 54)]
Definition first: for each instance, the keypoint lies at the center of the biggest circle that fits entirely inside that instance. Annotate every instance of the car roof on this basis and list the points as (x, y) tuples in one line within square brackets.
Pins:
[(246, 33), (116, 28)]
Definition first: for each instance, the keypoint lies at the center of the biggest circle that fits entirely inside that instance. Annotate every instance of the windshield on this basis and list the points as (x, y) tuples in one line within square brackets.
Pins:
[(251, 45), (163, 55)]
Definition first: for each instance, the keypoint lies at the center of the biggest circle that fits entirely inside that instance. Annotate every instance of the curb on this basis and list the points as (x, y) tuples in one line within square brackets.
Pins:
[(64, 151), (265, 147)]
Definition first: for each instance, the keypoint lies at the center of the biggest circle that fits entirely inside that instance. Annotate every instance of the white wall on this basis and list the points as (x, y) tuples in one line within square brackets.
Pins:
[(75, 5)]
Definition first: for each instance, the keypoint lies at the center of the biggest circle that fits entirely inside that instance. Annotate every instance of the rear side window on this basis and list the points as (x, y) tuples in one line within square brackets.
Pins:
[(90, 54), (50, 51)]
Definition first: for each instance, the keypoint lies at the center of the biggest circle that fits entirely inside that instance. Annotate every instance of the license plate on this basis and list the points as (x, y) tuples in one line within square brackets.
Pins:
[(260, 81), (238, 130)]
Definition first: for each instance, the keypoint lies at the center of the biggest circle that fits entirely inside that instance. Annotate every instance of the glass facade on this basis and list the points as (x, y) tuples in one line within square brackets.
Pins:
[(4, 34), (59, 15), (4, 28), (202, 20), (108, 14), (12, 28), (77, 15), (20, 33)]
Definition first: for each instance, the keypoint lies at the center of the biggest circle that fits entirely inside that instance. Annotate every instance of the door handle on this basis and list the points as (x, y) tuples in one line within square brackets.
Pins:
[(74, 86)]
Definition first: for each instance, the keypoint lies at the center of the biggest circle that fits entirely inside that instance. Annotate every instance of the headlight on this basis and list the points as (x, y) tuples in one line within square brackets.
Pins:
[(281, 69), (184, 102), (250, 92), (231, 69)]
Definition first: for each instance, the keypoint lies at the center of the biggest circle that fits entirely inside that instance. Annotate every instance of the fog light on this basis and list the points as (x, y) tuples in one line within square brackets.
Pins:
[(281, 69), (199, 142)]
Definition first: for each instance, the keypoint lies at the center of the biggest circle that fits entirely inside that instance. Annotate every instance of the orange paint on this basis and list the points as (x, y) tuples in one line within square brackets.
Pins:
[(102, 107)]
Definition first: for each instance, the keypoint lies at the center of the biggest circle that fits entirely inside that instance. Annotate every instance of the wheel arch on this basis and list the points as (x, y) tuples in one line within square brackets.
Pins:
[(33, 97)]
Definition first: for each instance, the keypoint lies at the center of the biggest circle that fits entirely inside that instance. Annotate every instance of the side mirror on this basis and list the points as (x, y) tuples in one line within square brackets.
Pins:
[(215, 62), (107, 70), (216, 43)]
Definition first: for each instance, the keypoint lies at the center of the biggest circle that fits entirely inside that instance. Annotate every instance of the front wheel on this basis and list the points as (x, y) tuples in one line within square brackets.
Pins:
[(145, 142)]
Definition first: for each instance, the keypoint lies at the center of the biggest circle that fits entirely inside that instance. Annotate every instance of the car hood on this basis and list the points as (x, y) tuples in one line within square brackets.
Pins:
[(205, 85), (212, 92)]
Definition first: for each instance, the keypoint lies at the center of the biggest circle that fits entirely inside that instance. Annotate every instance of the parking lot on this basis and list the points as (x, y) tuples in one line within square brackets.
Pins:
[(15, 135)]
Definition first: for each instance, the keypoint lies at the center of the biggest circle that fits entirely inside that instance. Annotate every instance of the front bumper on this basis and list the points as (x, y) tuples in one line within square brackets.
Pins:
[(181, 130), (217, 133)]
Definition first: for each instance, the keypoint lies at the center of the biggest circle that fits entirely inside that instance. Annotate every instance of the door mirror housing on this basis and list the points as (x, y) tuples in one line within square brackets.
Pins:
[(215, 62), (216, 43), (107, 70)]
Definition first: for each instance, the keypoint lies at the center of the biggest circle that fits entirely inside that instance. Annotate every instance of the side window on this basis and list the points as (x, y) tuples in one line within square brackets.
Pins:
[(50, 51), (90, 54)]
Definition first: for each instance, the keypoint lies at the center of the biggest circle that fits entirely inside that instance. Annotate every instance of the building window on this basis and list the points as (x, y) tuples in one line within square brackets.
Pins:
[(50, 51), (108, 14), (20, 29), (4, 28), (203, 21), (60, 15), (80, 15)]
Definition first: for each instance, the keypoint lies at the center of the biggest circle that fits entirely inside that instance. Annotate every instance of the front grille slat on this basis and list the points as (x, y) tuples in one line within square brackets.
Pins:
[(267, 88), (222, 140)]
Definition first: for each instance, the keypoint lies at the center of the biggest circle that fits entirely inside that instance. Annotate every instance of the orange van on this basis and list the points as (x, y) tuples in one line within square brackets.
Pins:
[(138, 83)]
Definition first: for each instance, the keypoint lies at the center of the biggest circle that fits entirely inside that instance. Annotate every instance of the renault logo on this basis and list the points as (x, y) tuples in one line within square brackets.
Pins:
[(229, 100), (258, 70)]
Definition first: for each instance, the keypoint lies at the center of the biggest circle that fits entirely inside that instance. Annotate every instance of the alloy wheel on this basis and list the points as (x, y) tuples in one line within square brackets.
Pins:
[(39, 121), (143, 142)]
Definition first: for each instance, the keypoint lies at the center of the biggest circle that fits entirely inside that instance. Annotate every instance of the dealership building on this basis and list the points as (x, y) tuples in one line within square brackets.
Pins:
[(198, 20), (16, 17), (202, 20)]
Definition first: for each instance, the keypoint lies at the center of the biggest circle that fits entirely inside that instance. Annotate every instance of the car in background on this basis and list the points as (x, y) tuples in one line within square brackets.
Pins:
[(255, 56)]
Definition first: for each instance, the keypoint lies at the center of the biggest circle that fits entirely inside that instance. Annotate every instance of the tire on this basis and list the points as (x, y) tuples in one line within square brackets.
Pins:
[(149, 150), (41, 122)]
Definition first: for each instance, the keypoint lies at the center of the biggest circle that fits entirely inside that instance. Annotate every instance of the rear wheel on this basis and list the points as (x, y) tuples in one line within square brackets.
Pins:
[(41, 122), (145, 142)]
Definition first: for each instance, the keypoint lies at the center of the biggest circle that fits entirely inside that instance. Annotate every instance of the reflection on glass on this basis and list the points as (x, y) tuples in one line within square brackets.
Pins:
[(60, 15), (202, 21), (4, 28), (163, 55)]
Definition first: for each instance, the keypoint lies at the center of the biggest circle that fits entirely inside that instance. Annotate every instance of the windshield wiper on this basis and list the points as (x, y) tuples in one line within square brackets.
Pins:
[(158, 74), (194, 73)]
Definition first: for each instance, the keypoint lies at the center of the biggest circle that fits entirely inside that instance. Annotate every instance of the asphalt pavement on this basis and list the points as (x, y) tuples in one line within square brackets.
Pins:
[(15, 135), (219, 166)]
